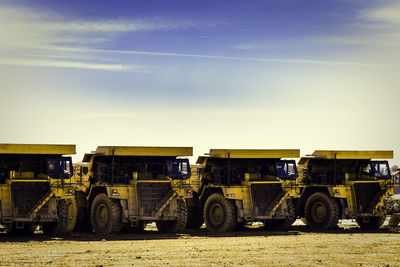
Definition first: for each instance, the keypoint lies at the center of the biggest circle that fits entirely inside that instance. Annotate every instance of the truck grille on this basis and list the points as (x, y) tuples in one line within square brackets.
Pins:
[(264, 196), (25, 196), (150, 194), (366, 194)]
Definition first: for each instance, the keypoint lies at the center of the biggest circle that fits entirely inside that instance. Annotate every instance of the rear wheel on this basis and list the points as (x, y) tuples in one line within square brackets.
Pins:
[(178, 225), (322, 212), (371, 223), (105, 215), (219, 214)]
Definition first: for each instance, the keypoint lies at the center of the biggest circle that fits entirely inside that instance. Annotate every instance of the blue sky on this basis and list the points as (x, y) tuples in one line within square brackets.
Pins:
[(209, 74)]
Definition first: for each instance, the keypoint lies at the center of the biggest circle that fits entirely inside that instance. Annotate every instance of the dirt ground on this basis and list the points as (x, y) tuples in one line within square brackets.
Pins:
[(348, 246)]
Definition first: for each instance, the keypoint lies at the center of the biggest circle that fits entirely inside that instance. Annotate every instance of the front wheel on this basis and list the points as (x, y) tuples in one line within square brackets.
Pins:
[(219, 214), (72, 215), (105, 215), (178, 225), (62, 226), (322, 212), (281, 224)]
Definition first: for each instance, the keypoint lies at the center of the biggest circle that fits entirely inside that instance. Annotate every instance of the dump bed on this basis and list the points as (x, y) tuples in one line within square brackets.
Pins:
[(348, 154), (143, 151), (255, 153), (353, 154), (35, 149)]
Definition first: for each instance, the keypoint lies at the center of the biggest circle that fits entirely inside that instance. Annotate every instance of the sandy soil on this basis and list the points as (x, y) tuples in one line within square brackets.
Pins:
[(349, 246)]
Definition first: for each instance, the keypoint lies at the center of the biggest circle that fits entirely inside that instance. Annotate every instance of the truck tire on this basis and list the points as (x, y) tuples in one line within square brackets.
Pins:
[(287, 223), (194, 218), (322, 212), (105, 215), (374, 222), (280, 224), (72, 214), (219, 214), (61, 226), (178, 225)]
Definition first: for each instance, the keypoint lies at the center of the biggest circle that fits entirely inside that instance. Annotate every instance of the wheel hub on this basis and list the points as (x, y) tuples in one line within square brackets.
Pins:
[(318, 212), (70, 212), (101, 215), (216, 214)]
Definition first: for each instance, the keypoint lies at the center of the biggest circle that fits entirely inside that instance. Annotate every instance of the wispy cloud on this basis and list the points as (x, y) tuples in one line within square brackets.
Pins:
[(216, 57), (70, 64), (388, 14), (51, 40), (26, 35)]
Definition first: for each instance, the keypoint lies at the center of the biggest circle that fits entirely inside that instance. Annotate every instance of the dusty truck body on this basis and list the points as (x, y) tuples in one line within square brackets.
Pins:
[(235, 186), (126, 187), (35, 188), (335, 185)]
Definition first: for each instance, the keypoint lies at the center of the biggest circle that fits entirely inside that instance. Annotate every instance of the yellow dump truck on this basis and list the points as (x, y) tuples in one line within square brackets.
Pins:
[(125, 187), (335, 185), (35, 188), (235, 186)]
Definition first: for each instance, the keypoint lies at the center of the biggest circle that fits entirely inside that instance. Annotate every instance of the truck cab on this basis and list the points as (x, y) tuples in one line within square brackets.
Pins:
[(125, 187)]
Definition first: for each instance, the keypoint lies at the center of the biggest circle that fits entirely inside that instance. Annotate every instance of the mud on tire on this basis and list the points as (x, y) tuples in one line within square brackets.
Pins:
[(219, 214), (105, 215), (321, 211)]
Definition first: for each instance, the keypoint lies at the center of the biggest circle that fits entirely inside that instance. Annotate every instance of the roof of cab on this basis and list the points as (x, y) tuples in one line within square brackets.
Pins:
[(139, 151), (35, 149), (348, 154)]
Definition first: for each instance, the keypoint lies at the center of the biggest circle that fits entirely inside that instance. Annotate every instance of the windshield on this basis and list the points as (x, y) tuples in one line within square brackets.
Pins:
[(178, 169), (286, 169), (380, 169), (59, 168)]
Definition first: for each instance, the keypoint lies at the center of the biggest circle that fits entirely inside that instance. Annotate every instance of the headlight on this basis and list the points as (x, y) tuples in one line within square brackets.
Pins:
[(188, 192), (114, 192), (69, 192)]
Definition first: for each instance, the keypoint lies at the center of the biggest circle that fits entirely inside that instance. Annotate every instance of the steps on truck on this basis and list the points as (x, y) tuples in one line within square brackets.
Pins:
[(41, 203), (164, 203)]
